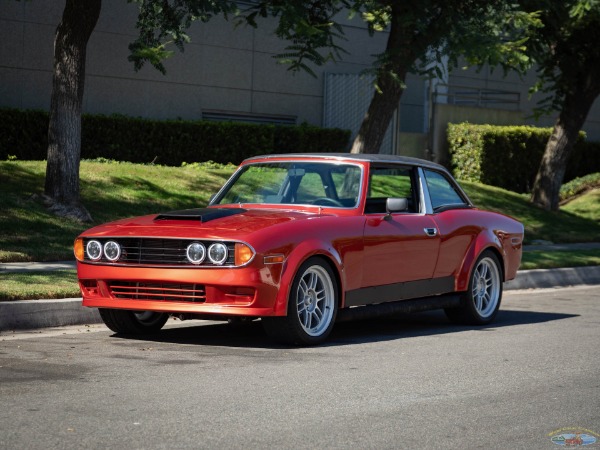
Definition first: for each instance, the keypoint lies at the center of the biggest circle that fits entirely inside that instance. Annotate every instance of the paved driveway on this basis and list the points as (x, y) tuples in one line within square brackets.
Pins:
[(406, 382)]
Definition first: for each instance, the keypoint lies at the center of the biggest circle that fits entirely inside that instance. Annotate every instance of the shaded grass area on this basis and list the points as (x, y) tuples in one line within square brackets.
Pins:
[(556, 259), (35, 285), (565, 226), (110, 191)]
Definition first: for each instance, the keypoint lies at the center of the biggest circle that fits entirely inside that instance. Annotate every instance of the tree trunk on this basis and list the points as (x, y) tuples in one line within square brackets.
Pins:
[(64, 131), (383, 104), (379, 115), (546, 188)]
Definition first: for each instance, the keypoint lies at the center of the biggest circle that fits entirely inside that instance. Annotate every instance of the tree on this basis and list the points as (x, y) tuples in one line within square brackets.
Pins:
[(568, 55), (158, 22), (64, 130), (420, 34)]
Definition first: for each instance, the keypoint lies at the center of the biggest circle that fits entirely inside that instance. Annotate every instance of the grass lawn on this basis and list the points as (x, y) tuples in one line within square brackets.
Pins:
[(115, 190), (552, 260), (566, 226), (36, 285), (109, 190)]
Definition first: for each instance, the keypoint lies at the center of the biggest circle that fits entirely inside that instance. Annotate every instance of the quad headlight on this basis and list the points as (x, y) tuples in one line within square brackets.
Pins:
[(94, 250), (217, 253), (112, 251), (195, 252)]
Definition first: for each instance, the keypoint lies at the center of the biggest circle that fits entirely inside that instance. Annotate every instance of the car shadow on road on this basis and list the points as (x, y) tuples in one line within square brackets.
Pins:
[(400, 326)]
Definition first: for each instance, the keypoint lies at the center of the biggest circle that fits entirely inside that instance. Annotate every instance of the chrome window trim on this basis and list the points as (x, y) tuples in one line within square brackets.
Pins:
[(425, 205)]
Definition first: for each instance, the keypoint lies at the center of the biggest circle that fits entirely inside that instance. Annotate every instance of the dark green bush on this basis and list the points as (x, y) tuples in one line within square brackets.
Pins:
[(24, 134), (509, 156)]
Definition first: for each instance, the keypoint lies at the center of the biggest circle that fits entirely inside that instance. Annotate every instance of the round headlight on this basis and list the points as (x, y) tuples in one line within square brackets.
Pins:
[(112, 250), (196, 252), (94, 250), (217, 253)]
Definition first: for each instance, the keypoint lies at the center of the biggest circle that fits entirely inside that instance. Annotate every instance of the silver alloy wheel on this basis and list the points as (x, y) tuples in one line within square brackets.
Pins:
[(485, 288), (148, 318), (315, 300)]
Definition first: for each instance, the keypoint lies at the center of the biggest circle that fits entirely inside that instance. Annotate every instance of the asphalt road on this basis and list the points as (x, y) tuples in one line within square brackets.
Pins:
[(405, 382)]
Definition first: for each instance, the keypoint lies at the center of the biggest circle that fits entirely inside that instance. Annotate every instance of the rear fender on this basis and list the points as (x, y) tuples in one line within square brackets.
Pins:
[(485, 240)]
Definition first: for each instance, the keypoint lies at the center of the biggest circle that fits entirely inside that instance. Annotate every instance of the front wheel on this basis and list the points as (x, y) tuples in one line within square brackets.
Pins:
[(133, 322), (481, 302), (312, 306)]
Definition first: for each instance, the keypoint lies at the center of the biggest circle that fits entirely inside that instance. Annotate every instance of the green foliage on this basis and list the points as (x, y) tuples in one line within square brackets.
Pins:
[(565, 49), (509, 156), (161, 23), (579, 185), (171, 142)]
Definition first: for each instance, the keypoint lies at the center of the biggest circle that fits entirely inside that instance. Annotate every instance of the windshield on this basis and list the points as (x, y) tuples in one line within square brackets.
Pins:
[(305, 183)]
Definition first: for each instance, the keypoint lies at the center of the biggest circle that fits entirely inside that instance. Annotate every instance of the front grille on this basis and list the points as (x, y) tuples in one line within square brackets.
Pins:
[(168, 292), (159, 252)]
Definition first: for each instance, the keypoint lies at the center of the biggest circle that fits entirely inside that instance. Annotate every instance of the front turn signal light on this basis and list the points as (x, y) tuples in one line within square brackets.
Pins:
[(243, 254), (78, 249)]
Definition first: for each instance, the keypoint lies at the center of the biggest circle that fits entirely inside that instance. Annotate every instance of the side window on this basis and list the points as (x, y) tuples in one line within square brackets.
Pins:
[(387, 182), (442, 191)]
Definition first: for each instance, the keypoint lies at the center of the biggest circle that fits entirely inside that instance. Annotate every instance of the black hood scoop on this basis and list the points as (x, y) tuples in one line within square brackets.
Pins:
[(200, 214)]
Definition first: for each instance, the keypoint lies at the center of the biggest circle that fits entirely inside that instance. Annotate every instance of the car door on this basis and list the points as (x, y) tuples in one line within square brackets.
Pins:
[(455, 221), (401, 247)]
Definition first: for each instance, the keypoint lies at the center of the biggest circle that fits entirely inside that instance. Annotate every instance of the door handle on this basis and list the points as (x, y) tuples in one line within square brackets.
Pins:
[(432, 232)]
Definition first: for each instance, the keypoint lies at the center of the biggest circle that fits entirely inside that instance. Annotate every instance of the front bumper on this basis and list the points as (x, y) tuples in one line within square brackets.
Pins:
[(245, 291)]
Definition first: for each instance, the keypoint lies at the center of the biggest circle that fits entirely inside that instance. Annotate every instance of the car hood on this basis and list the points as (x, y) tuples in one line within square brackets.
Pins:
[(216, 223)]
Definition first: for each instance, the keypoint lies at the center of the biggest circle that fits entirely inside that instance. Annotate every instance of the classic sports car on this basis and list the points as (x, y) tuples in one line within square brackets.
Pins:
[(300, 241)]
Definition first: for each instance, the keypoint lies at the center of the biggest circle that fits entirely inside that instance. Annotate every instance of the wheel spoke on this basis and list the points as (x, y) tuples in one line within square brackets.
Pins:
[(478, 303), (318, 314), (302, 287), (312, 284)]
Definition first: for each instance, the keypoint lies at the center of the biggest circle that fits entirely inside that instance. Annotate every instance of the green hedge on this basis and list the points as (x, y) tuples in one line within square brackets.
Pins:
[(23, 134), (509, 156)]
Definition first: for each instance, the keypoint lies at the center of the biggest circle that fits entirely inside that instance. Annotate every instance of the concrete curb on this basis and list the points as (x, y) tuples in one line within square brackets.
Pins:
[(548, 278), (32, 314)]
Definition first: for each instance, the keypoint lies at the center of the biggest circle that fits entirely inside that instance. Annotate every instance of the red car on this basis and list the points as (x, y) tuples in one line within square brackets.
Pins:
[(301, 241)]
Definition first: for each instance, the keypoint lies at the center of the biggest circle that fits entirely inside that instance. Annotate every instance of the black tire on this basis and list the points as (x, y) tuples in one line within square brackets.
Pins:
[(133, 322), (481, 302), (312, 306)]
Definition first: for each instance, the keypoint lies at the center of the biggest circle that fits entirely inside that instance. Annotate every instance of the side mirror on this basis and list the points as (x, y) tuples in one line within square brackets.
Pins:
[(395, 205)]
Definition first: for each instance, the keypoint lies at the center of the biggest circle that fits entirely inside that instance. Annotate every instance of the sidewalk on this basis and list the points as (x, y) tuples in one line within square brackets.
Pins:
[(32, 314)]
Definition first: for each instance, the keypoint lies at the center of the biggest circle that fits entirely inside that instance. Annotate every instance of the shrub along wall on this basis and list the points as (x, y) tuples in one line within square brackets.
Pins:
[(509, 156), (23, 134)]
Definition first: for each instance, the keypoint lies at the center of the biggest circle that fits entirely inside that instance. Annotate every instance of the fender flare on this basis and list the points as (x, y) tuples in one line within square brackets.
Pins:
[(307, 249), (486, 240)]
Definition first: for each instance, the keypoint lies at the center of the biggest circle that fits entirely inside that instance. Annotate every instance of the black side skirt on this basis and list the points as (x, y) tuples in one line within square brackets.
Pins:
[(399, 291)]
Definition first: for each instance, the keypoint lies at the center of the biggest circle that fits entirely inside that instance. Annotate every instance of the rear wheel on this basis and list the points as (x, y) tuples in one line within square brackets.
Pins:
[(482, 300), (312, 306), (133, 322)]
